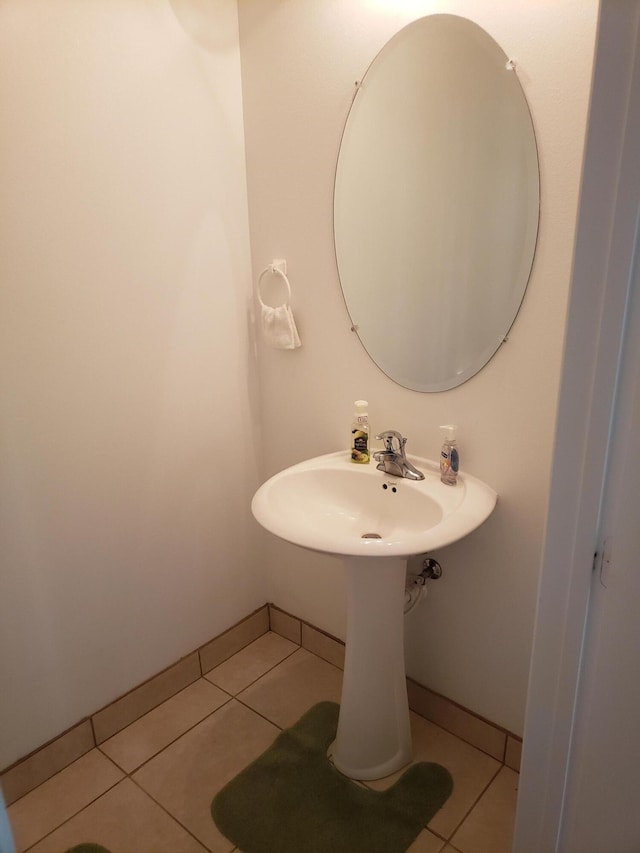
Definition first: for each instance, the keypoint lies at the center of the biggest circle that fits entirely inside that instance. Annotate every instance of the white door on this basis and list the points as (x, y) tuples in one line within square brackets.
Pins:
[(602, 796), (580, 784), (602, 800)]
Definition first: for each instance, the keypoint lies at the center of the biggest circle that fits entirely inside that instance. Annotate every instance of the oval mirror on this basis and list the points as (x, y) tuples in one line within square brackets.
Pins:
[(436, 203)]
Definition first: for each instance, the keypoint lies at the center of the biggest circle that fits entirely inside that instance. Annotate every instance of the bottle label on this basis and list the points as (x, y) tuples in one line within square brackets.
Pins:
[(359, 446), (449, 461), (360, 443)]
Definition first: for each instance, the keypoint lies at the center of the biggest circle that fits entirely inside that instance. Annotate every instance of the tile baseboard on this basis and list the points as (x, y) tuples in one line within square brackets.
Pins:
[(224, 646), (144, 698), (43, 763), (489, 737), (460, 721), (513, 752)]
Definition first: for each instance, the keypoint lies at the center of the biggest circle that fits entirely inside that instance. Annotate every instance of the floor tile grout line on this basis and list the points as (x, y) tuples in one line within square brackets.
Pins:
[(93, 732), (148, 711), (129, 773), (75, 814), (437, 834), (298, 648), (230, 696), (258, 714), (300, 645), (236, 696), (255, 680), (172, 816), (175, 739), (226, 702), (422, 717), (460, 738), (473, 746), (475, 803), (201, 649)]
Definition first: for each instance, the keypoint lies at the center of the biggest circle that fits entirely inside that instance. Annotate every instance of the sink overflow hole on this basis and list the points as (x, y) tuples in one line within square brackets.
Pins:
[(371, 536)]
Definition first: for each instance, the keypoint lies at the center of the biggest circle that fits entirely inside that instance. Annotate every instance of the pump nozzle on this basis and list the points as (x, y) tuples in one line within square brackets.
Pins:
[(450, 430)]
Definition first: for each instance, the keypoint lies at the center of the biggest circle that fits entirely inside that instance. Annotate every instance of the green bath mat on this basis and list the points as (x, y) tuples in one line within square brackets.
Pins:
[(292, 800), (88, 848)]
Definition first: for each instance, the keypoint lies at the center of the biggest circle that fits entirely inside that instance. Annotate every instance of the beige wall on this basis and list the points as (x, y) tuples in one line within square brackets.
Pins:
[(471, 638), (127, 405), (131, 434)]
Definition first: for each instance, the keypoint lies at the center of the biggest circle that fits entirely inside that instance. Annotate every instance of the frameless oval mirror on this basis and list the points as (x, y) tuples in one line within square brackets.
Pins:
[(436, 203)]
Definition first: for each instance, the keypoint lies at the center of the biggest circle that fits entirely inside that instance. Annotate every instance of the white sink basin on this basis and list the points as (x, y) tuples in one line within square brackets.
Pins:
[(374, 521), (329, 504)]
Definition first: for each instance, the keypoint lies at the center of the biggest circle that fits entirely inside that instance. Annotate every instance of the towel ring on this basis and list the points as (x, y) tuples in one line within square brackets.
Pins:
[(273, 269)]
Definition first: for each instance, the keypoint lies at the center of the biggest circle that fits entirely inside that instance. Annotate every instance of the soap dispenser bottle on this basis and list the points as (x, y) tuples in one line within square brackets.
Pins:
[(360, 433), (449, 460)]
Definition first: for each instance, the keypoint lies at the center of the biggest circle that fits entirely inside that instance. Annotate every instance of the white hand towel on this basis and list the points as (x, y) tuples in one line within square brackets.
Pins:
[(279, 327)]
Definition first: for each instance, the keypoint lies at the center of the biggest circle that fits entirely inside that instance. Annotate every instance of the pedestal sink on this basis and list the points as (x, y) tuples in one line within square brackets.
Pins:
[(374, 521)]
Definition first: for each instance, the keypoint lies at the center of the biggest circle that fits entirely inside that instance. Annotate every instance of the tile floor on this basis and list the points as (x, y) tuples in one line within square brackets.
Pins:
[(148, 788)]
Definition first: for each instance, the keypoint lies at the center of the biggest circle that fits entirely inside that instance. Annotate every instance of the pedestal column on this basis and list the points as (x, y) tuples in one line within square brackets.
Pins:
[(373, 737)]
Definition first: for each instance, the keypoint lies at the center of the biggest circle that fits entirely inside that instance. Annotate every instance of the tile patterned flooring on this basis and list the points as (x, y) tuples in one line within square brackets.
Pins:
[(148, 788)]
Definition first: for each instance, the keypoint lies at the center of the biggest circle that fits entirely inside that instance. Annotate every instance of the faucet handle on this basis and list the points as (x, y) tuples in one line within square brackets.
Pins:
[(387, 436)]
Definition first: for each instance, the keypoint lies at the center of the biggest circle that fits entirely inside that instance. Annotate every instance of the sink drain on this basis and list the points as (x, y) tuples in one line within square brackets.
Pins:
[(371, 536)]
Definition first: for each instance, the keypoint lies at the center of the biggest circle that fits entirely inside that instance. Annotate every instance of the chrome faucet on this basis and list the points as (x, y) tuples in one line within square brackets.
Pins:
[(395, 461)]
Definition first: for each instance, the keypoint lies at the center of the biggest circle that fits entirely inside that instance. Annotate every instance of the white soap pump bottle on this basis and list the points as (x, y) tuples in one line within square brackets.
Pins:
[(449, 459)]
